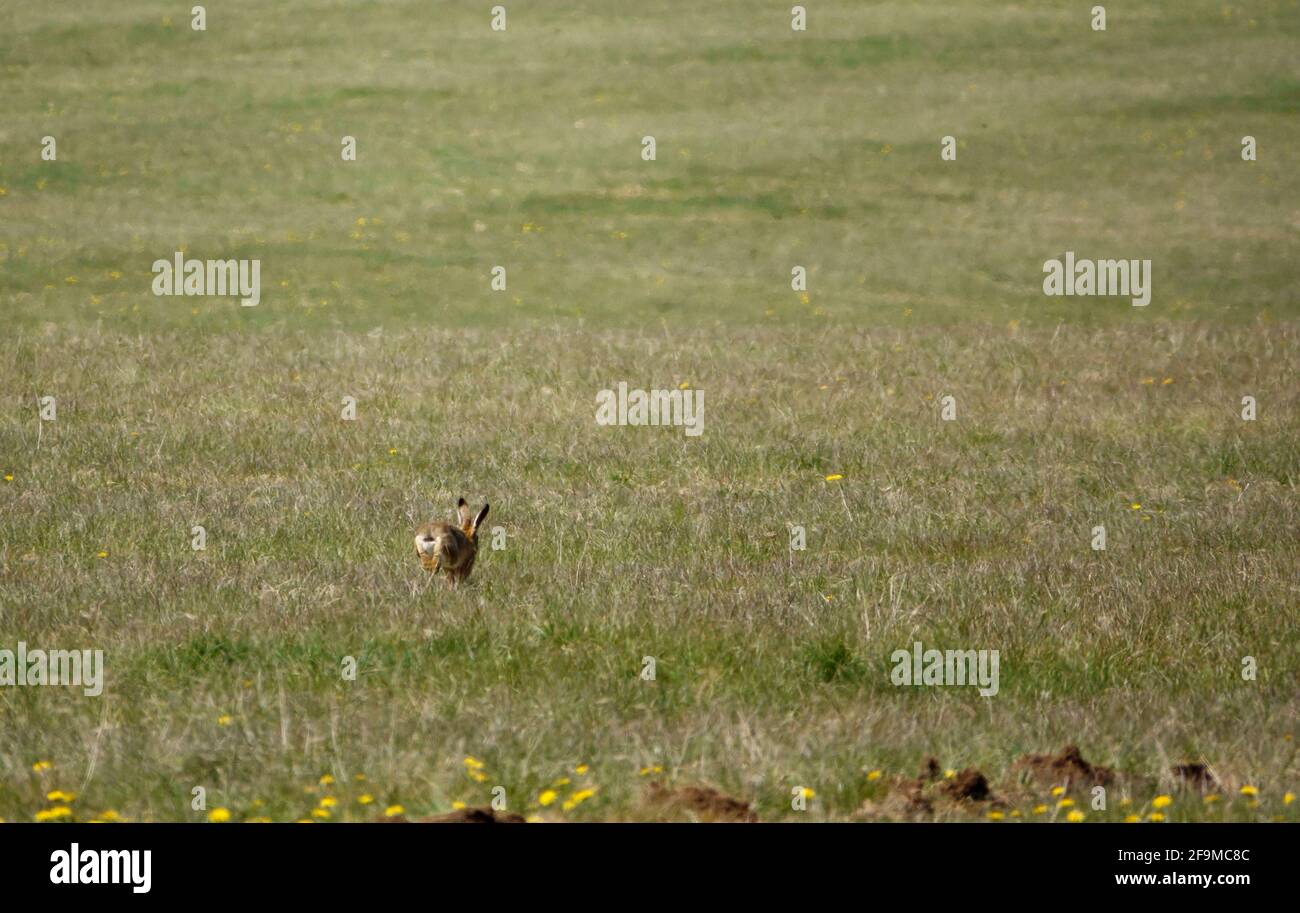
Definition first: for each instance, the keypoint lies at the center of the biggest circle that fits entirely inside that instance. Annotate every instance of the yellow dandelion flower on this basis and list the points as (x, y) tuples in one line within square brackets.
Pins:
[(328, 802), (873, 776), (1065, 803), (1212, 798), (219, 815), (1155, 816), (684, 385), (949, 774), (393, 810), (225, 719), (41, 765), (321, 813), (458, 805), (326, 780), (1132, 819), (54, 814), (577, 799), (647, 771), (1040, 809), (474, 763), (58, 795), (546, 797), (581, 770), (1057, 790), (109, 814), (562, 781), (1135, 506), (1161, 802), (1288, 798), (9, 476), (1075, 816), (1249, 791), (365, 799), (996, 816), (477, 776), (807, 792), (1166, 382), (103, 554), (834, 478)]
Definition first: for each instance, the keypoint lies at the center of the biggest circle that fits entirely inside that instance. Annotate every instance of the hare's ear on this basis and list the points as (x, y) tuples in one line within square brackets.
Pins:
[(479, 519), (462, 512)]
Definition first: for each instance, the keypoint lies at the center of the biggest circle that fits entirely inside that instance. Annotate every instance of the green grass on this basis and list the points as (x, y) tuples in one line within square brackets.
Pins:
[(523, 149)]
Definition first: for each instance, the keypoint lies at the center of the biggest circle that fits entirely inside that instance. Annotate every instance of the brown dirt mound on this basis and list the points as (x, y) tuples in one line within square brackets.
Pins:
[(478, 815), (931, 769), (1195, 776), (968, 784), (704, 802), (1067, 769)]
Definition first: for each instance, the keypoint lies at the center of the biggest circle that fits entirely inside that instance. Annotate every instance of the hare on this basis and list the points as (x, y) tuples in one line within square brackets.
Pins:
[(451, 549)]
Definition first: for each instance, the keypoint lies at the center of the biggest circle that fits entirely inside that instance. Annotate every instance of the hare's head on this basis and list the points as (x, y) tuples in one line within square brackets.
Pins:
[(469, 522)]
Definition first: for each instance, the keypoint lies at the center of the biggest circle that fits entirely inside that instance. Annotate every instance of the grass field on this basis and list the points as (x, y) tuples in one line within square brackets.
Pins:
[(522, 148)]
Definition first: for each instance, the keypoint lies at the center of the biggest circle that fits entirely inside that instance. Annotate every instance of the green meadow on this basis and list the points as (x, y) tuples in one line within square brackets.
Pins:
[(227, 668)]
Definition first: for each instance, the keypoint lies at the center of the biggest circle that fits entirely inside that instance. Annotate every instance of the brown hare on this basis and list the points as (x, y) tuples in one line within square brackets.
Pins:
[(448, 548)]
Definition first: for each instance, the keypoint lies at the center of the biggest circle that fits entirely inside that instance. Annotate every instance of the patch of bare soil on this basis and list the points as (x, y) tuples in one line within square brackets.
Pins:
[(479, 815), (967, 784), (929, 793), (1067, 769), (704, 803)]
